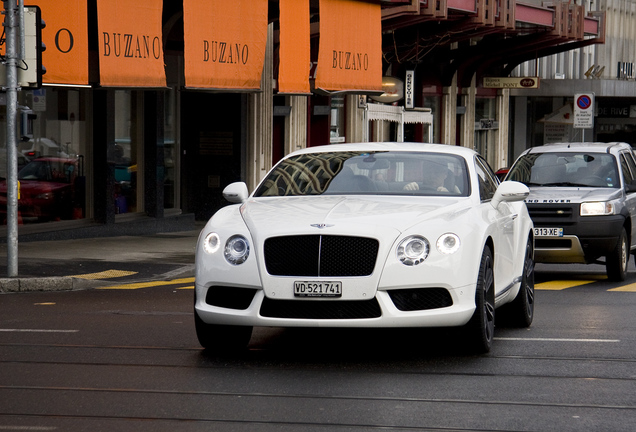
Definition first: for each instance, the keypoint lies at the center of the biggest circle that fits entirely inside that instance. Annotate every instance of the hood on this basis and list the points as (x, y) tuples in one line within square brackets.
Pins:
[(560, 195), (354, 215)]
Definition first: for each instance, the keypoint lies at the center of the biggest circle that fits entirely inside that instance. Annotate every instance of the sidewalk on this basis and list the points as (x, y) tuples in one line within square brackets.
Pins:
[(94, 262)]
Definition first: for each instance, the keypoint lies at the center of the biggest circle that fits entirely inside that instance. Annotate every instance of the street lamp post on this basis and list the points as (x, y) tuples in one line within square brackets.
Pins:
[(11, 58)]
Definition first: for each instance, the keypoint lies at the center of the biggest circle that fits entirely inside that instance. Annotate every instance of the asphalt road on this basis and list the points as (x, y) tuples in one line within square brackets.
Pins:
[(127, 359)]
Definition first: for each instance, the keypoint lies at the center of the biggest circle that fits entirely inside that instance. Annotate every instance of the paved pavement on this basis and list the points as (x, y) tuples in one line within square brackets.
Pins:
[(95, 262)]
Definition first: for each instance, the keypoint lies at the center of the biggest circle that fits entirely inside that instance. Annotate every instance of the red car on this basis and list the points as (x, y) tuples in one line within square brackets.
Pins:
[(47, 190), (501, 173)]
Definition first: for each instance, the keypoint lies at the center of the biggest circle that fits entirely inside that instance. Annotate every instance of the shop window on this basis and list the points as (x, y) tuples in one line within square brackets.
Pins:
[(126, 153), (52, 151), (337, 120), (170, 151), (486, 126)]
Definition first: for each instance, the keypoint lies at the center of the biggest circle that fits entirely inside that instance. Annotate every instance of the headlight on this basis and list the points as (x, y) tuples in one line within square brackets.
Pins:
[(597, 209), (44, 196), (211, 243), (237, 249), (413, 250), (448, 243)]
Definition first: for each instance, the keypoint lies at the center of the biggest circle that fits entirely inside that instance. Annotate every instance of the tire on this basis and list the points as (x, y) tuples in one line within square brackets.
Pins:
[(520, 312), (616, 261), (481, 327), (222, 338)]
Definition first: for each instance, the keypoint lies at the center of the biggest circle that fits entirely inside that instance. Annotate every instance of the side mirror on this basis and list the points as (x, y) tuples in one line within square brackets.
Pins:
[(510, 191), (236, 192)]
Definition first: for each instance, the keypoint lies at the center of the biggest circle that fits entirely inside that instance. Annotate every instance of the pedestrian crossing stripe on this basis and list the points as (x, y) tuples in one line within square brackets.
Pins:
[(625, 288), (138, 285), (106, 274), (558, 285)]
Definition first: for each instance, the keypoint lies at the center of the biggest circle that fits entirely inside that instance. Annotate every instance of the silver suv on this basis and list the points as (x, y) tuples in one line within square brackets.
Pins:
[(582, 202)]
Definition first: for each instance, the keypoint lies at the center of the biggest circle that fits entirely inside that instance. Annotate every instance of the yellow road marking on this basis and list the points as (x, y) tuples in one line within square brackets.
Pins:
[(106, 274), (625, 288), (138, 285), (188, 287), (557, 285)]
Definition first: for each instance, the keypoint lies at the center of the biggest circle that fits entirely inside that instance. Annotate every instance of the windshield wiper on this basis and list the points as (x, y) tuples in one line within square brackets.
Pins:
[(565, 184)]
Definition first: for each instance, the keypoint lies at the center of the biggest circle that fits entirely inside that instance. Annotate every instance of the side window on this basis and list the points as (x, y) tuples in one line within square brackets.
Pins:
[(487, 180), (628, 167)]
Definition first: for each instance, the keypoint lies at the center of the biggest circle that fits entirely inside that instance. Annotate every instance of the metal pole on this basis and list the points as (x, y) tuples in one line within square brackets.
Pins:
[(12, 157)]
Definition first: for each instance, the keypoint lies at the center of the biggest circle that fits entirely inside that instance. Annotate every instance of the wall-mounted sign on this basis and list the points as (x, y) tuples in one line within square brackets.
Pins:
[(409, 90), (392, 90), (511, 82), (486, 124)]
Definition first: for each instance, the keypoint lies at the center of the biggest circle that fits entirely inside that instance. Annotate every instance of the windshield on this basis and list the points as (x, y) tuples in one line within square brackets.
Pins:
[(566, 169), (58, 171), (380, 173)]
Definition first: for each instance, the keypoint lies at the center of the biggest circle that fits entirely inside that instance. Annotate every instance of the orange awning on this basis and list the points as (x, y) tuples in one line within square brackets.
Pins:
[(66, 40), (224, 43), (294, 52), (350, 53), (130, 43)]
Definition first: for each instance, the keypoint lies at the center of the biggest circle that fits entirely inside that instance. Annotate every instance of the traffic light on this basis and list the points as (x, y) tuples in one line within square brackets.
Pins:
[(30, 69), (33, 48)]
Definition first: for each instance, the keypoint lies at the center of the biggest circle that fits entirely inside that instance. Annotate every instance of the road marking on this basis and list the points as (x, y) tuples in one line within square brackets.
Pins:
[(27, 428), (558, 285), (558, 340), (188, 287), (106, 274), (625, 288), (38, 331), (139, 285)]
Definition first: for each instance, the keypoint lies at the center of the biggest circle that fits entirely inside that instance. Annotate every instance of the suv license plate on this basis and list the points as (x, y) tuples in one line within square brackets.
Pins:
[(548, 232), (317, 289)]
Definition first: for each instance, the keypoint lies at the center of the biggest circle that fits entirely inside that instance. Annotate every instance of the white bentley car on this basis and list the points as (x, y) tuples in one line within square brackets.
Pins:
[(367, 235)]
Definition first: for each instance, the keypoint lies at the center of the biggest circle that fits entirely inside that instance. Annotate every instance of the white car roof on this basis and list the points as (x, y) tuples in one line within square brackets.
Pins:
[(389, 146), (579, 146)]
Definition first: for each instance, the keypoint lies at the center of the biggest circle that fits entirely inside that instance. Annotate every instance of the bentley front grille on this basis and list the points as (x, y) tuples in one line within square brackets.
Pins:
[(320, 255)]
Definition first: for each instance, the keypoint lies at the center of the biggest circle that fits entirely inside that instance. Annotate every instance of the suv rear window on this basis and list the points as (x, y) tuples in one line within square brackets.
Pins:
[(566, 169)]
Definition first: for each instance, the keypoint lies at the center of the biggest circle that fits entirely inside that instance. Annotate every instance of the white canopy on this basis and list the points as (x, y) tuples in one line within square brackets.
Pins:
[(398, 114)]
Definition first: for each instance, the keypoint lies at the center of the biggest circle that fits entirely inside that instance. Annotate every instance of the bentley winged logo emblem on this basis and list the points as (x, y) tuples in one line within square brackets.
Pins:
[(321, 225)]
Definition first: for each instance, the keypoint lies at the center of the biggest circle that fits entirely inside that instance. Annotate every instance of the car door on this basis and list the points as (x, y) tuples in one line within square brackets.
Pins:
[(628, 166), (502, 221)]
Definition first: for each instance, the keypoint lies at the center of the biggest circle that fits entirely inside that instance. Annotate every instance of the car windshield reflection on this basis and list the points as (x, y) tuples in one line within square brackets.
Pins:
[(357, 173), (49, 170)]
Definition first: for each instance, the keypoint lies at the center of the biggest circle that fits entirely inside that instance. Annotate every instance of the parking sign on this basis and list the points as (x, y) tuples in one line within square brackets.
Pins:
[(584, 111)]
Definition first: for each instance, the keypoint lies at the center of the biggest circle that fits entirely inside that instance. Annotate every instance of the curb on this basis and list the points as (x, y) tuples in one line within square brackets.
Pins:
[(68, 283), (54, 283)]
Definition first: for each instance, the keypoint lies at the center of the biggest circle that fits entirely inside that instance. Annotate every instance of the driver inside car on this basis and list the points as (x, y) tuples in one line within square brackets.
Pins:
[(434, 177)]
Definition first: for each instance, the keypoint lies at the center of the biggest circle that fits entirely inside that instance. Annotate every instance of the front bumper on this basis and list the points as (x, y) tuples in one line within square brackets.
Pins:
[(585, 238), (251, 307)]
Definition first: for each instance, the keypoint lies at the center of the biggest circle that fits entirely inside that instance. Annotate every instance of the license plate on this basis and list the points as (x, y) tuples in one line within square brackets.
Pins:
[(317, 289), (548, 232)]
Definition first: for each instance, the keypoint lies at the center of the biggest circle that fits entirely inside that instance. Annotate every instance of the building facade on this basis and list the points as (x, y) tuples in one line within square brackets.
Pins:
[(149, 108), (605, 71)]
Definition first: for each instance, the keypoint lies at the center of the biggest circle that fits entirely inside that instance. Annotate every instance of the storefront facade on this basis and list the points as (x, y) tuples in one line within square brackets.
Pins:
[(149, 108)]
